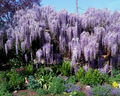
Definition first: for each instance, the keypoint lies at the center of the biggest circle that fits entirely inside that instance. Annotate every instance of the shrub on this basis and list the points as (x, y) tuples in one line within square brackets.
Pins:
[(15, 81), (80, 74), (56, 86), (71, 79), (65, 69), (94, 77), (44, 77), (115, 78), (2, 77), (101, 91), (41, 92), (3, 89), (115, 71), (29, 69), (33, 84)]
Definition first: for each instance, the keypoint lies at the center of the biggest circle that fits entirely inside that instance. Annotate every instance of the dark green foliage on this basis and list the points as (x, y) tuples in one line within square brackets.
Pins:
[(2, 77), (71, 79), (56, 86), (80, 74), (94, 77), (4, 91), (15, 80), (56, 69), (15, 62), (33, 84), (65, 69), (41, 92), (91, 77), (44, 76), (115, 78), (29, 69), (101, 91)]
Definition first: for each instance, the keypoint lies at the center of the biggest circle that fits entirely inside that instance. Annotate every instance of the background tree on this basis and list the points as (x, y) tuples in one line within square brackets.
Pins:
[(9, 7)]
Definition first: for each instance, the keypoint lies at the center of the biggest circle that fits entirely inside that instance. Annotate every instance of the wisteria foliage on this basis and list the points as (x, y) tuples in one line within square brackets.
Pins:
[(62, 33)]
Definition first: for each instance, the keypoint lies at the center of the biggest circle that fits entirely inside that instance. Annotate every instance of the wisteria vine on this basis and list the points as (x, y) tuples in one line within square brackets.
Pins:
[(48, 35)]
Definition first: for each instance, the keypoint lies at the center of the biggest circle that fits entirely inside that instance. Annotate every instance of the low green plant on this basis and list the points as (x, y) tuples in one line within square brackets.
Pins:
[(29, 69), (33, 83), (101, 91), (15, 80), (80, 74), (41, 92), (56, 69), (56, 86), (115, 78), (44, 76), (65, 69), (115, 71), (3, 89), (2, 77), (95, 77), (72, 79)]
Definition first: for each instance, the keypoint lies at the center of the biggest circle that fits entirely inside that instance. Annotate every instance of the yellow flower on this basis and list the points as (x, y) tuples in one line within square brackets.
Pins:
[(115, 85)]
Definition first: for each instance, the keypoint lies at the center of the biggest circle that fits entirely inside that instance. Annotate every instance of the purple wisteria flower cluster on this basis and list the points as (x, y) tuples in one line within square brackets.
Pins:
[(43, 33)]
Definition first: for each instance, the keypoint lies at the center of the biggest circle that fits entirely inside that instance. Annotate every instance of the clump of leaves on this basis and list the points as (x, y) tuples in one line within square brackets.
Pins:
[(41, 92), (115, 78), (33, 83), (56, 86), (65, 69), (15, 80), (71, 79), (101, 91), (29, 69), (80, 74)]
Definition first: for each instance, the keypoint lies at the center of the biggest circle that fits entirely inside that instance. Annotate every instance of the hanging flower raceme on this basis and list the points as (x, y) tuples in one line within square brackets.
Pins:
[(38, 29)]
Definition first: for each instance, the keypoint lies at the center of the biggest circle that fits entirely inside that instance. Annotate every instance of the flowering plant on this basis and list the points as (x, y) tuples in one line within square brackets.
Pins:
[(115, 85)]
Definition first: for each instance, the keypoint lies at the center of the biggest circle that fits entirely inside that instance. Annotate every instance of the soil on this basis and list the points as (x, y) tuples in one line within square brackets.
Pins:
[(25, 93)]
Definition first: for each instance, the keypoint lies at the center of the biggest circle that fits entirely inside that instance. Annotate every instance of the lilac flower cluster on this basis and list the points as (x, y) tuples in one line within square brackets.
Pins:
[(37, 29)]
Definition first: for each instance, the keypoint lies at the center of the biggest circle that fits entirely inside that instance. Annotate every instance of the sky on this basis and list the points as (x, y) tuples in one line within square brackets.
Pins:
[(83, 5)]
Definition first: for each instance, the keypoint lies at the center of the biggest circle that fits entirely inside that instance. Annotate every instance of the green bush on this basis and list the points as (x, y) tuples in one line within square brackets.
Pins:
[(91, 77), (95, 77), (29, 69), (71, 79), (41, 92), (80, 74), (44, 76), (115, 78), (2, 77), (65, 69), (101, 91), (56, 86), (15, 80), (115, 71), (3, 89), (56, 69), (33, 84), (4, 92)]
